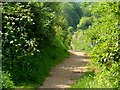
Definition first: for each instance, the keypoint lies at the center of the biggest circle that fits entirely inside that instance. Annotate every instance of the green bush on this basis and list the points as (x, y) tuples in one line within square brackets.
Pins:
[(81, 42), (104, 39), (103, 36), (84, 23), (6, 80), (107, 78), (30, 39)]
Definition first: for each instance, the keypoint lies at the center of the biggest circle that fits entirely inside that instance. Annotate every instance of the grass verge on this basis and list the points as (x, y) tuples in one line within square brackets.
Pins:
[(84, 80), (43, 62)]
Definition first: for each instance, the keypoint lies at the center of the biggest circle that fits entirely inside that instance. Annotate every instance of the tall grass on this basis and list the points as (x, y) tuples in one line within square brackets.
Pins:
[(84, 80), (43, 62)]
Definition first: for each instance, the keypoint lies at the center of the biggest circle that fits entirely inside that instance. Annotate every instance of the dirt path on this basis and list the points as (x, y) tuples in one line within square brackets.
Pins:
[(66, 73)]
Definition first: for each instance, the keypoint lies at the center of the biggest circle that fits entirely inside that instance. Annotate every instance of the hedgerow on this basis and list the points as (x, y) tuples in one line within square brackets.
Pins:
[(29, 28), (103, 36)]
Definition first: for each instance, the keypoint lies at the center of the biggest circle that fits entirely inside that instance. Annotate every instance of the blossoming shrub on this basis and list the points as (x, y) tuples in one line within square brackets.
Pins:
[(105, 53), (27, 32)]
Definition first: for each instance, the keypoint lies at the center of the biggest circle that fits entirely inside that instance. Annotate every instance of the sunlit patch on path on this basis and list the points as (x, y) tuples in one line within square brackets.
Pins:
[(66, 73)]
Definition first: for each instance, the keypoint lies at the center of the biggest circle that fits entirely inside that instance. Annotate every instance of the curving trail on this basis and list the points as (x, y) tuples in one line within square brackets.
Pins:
[(66, 73)]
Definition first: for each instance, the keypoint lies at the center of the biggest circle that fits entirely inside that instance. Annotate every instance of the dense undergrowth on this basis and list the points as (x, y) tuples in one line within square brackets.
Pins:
[(84, 81), (101, 39), (43, 62), (35, 37), (80, 42)]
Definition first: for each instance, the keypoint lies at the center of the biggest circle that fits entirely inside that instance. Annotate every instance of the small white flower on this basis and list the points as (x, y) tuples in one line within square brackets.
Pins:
[(96, 41), (35, 44), (8, 23), (20, 6), (33, 23), (116, 23), (28, 19), (31, 19), (19, 44), (38, 50), (18, 28), (15, 40), (13, 36), (11, 31), (13, 23), (32, 53), (24, 17), (6, 34), (12, 17), (5, 27), (6, 17), (21, 18), (17, 19), (110, 53), (105, 60), (117, 44), (11, 41)]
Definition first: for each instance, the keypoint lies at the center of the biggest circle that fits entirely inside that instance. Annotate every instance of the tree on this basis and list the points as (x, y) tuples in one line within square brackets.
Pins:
[(84, 23), (69, 11)]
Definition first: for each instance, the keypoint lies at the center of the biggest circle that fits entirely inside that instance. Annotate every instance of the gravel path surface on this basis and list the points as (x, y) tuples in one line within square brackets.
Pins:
[(67, 72)]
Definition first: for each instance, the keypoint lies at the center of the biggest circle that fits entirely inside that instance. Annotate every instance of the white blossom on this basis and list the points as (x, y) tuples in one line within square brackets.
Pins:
[(31, 19), (18, 28), (13, 36), (6, 17), (11, 31), (15, 40), (21, 18), (13, 23), (17, 19), (8, 23), (6, 34), (5, 27), (33, 23), (38, 50), (32, 53), (117, 44), (11, 41), (19, 44)]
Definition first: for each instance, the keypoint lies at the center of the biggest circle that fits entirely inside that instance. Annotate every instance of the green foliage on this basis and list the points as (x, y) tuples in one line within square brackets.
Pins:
[(106, 37), (18, 41), (6, 80), (86, 12), (103, 36), (71, 30), (78, 9), (31, 40), (107, 78), (105, 53), (72, 12), (84, 23), (16, 30), (81, 42), (41, 63), (84, 81)]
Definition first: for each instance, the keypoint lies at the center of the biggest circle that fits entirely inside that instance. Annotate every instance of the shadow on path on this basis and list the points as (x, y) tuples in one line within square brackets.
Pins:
[(67, 72)]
